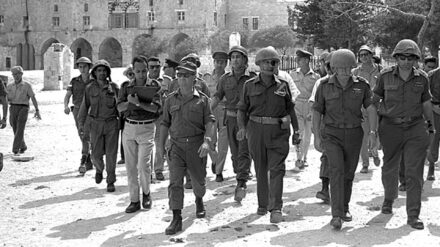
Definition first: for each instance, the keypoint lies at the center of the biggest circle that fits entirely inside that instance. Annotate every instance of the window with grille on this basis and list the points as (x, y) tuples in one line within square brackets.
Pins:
[(151, 16), (255, 23), (131, 20), (116, 20), (56, 21), (181, 15), (245, 23), (86, 20)]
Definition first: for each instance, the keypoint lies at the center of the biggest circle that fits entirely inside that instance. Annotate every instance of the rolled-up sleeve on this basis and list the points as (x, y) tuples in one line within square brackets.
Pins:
[(243, 104)]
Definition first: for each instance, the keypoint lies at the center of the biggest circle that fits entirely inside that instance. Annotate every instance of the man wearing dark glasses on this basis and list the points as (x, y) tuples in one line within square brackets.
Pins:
[(405, 113)]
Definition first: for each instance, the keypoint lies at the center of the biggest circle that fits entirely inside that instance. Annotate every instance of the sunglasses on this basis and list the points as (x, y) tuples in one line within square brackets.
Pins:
[(364, 54), (184, 75), (409, 58)]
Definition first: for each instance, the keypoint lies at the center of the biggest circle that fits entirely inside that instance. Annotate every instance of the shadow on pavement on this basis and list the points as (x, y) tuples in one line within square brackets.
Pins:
[(45, 179)]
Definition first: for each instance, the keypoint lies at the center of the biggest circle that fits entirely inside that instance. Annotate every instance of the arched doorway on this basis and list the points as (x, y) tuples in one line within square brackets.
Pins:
[(44, 48), (179, 47), (81, 48), (111, 50)]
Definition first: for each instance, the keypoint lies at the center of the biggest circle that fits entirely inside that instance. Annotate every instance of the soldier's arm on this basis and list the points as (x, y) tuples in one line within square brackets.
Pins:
[(164, 126), (67, 99), (219, 94), (83, 110)]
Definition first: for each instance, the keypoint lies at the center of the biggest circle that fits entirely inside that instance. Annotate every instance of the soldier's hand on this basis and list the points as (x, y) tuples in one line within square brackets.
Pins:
[(133, 98), (3, 123), (317, 143), (37, 115), (203, 150), (241, 134), (372, 141), (295, 138), (67, 110), (81, 132)]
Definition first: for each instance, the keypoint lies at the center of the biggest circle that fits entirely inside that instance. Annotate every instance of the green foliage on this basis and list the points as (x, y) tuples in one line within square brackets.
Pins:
[(280, 37), (219, 41), (148, 46), (183, 48)]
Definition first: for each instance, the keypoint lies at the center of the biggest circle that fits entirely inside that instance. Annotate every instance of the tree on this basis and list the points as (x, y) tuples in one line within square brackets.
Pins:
[(219, 41), (280, 37), (148, 46)]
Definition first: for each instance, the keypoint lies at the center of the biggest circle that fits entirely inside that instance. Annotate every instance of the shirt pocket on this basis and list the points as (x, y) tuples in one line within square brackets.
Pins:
[(416, 92), (391, 92), (110, 100), (195, 113), (94, 97), (256, 98)]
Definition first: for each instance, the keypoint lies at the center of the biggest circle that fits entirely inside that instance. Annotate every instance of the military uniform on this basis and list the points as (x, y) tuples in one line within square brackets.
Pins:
[(231, 88), (402, 131), (434, 83), (342, 134), (186, 120), (99, 105)]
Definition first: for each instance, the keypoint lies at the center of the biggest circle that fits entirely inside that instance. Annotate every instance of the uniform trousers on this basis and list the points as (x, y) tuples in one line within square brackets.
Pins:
[(158, 163), (342, 147), (365, 156), (269, 147), (18, 115), (434, 146), (85, 139), (104, 135), (303, 113), (184, 158), (412, 141), (241, 160), (221, 138), (324, 169), (138, 141)]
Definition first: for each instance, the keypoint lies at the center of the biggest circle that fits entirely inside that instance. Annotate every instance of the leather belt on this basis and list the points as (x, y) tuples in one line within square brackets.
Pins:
[(401, 120), (267, 120), (149, 121), (302, 100), (343, 126), (188, 138), (231, 113)]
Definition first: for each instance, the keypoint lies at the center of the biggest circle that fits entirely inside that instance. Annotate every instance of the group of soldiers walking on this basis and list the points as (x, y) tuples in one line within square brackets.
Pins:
[(348, 107)]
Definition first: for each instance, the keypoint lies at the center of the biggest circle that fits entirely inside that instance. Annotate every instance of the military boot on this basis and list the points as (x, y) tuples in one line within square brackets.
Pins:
[(89, 164), (240, 191), (431, 176), (176, 223), (82, 167), (200, 208)]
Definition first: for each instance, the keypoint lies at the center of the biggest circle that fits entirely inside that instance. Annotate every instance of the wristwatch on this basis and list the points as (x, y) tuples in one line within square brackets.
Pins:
[(373, 132), (207, 139)]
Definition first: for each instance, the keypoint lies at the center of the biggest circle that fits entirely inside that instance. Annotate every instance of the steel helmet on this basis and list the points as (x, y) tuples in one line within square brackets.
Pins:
[(238, 48), (265, 54), (84, 60), (365, 48), (101, 62), (407, 46), (343, 58)]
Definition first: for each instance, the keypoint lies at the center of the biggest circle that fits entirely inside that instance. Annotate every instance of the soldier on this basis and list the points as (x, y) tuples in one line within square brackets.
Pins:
[(188, 118), (169, 74), (338, 104), (99, 104), (405, 106), (76, 90), (19, 92), (369, 71), (230, 86), (4, 102), (221, 136), (434, 84), (323, 194), (430, 63), (266, 106), (138, 135), (304, 78)]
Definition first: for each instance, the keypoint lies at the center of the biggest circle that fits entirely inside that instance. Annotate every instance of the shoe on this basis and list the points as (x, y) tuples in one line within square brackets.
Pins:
[(240, 191), (387, 206), (146, 201), (376, 161), (121, 162), (89, 164), (213, 168), (430, 176), (364, 169), (347, 217), (133, 207), (250, 176), (159, 176), (261, 211), (175, 226), (276, 216), (219, 178), (305, 164), (98, 177), (402, 187), (323, 195), (415, 223), (22, 150), (336, 222), (200, 208), (188, 184), (296, 170), (111, 187), (1, 162), (82, 169), (299, 164)]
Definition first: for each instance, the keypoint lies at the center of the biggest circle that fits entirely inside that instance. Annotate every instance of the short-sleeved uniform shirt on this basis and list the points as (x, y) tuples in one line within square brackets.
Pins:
[(231, 88), (213, 85), (315, 87), (261, 100), (77, 87), (101, 100), (134, 112), (187, 117), (304, 83), (19, 93), (286, 77), (401, 98), (342, 107)]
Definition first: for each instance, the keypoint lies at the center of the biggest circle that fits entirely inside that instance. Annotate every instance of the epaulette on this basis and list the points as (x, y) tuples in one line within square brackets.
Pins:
[(432, 72), (359, 79), (387, 70), (249, 80), (202, 93), (419, 72), (325, 80)]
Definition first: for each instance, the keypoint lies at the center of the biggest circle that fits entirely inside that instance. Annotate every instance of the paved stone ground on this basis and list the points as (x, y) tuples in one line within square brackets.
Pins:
[(45, 203)]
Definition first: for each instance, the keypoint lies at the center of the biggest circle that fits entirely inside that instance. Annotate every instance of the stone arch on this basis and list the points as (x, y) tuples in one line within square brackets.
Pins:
[(176, 39), (44, 48), (111, 50), (81, 48), (178, 52), (136, 46)]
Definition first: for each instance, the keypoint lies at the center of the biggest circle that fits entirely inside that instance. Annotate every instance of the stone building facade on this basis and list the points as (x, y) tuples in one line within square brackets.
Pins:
[(108, 28)]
